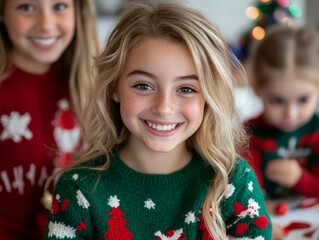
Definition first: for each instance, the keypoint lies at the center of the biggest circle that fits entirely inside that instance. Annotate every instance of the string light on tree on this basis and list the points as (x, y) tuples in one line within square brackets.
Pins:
[(295, 11), (252, 12), (258, 33), (265, 13)]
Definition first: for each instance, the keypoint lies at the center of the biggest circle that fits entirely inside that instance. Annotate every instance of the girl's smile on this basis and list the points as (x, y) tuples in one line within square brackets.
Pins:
[(44, 44)]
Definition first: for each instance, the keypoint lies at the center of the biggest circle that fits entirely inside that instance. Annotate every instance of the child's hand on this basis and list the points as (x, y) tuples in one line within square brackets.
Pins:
[(277, 232), (285, 172)]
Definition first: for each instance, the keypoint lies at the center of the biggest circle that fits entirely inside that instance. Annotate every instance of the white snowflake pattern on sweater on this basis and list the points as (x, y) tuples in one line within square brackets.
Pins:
[(149, 204), (190, 217), (16, 127), (113, 201)]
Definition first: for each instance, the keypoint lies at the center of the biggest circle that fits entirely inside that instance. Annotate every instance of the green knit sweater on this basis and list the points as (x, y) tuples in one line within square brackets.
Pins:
[(120, 203)]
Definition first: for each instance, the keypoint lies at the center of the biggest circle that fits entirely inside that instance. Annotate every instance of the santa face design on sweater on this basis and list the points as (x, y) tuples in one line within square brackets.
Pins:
[(67, 134)]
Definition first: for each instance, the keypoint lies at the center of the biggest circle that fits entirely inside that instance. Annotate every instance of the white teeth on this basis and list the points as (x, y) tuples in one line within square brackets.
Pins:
[(45, 42), (162, 128)]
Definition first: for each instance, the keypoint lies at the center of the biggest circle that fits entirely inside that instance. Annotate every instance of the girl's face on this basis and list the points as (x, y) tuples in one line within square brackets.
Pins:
[(289, 102), (40, 31), (161, 102)]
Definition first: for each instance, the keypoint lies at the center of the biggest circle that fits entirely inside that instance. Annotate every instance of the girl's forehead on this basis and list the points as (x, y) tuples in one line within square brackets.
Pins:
[(289, 86)]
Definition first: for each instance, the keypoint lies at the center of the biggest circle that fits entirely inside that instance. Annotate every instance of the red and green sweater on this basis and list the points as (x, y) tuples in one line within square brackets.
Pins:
[(120, 203), (302, 144)]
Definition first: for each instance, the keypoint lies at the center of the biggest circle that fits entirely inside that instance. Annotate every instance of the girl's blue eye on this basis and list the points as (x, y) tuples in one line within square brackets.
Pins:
[(26, 7), (143, 87), (186, 90), (60, 6)]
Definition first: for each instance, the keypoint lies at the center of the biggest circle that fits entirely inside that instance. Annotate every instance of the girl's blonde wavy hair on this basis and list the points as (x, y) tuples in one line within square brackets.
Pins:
[(220, 134), (286, 51), (75, 65)]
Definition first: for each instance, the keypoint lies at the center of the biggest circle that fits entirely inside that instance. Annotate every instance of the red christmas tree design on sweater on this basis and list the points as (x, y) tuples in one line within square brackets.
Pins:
[(117, 229)]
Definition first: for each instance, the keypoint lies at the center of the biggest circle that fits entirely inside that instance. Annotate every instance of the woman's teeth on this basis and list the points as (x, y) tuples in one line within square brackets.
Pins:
[(162, 128)]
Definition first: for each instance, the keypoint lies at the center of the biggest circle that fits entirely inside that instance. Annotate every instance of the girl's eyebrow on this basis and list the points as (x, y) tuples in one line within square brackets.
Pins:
[(150, 75), (140, 72)]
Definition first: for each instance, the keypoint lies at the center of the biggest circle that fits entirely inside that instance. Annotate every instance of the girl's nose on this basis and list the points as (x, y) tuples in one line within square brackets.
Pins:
[(291, 111), (163, 104), (45, 20)]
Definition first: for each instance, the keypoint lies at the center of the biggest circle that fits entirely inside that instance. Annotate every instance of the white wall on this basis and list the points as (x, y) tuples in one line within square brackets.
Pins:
[(228, 15)]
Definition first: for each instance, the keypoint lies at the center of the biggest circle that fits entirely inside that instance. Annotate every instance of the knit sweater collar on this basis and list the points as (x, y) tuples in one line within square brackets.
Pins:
[(192, 170)]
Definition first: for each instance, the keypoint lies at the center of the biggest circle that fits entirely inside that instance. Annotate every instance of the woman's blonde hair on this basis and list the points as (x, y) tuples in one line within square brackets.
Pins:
[(286, 50), (74, 67), (220, 133)]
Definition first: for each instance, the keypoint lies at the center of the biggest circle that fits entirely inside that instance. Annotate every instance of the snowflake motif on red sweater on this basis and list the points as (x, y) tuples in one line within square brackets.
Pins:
[(171, 235), (16, 127), (117, 229)]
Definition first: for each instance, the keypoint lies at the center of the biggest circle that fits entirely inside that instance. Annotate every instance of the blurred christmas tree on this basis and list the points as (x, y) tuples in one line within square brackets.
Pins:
[(264, 14)]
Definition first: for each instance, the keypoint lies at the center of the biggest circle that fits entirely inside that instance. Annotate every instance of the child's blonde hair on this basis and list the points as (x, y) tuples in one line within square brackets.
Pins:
[(220, 132), (286, 51), (75, 65)]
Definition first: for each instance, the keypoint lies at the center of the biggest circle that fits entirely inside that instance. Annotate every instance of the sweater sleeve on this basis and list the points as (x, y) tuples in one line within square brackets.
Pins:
[(70, 213), (243, 207), (310, 175), (308, 179)]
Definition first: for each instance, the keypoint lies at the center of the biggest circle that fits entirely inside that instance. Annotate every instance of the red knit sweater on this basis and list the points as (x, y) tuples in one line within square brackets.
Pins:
[(36, 133)]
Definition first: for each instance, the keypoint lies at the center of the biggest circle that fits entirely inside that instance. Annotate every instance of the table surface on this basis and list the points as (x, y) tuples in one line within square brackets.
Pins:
[(308, 215)]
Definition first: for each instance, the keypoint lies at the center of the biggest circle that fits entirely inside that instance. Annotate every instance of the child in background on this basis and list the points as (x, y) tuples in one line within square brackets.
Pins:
[(284, 148), (285, 137), (46, 50), (161, 159)]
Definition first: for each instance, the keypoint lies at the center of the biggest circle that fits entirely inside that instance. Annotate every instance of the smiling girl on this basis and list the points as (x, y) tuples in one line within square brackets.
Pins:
[(46, 49), (161, 160)]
